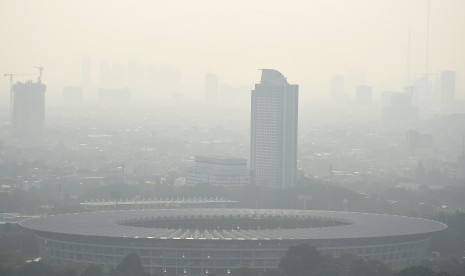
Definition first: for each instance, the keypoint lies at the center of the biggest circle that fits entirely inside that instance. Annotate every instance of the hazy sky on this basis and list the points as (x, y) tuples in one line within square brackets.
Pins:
[(307, 40)]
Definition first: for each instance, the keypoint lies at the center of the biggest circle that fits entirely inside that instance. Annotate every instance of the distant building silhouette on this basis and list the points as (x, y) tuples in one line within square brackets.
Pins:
[(235, 95), (421, 145), (72, 95), (337, 87), (448, 89), (352, 79), (386, 97), (424, 89), (364, 94), (400, 112), (211, 87), (227, 92), (273, 148), (28, 109), (112, 75), (412, 91)]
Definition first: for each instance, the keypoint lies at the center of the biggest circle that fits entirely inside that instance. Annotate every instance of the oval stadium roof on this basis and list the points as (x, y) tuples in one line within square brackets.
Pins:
[(108, 223)]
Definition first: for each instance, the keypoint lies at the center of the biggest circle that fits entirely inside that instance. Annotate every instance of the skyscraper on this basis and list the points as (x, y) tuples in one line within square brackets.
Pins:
[(28, 109), (273, 147)]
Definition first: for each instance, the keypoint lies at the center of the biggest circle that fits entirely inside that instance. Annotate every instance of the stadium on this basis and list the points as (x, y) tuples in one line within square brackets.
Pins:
[(204, 241)]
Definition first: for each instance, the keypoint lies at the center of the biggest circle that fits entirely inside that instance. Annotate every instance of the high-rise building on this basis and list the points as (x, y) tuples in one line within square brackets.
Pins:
[(28, 116), (211, 87), (273, 147)]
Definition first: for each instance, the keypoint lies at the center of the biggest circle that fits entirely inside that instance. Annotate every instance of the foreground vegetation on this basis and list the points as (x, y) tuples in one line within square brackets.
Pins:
[(300, 260)]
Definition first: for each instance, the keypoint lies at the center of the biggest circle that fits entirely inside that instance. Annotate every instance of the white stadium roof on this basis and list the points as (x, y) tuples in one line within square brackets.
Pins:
[(109, 224)]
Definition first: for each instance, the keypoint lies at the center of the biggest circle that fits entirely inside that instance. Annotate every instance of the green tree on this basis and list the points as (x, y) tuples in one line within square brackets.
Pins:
[(35, 269), (131, 265), (420, 271), (300, 260), (67, 272), (92, 270), (273, 272), (5, 271)]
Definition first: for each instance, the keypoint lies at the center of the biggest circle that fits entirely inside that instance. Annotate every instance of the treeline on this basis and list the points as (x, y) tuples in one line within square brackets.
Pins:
[(130, 266), (305, 260)]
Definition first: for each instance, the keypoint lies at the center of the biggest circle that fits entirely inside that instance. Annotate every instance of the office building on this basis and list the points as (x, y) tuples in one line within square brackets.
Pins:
[(218, 171), (273, 147), (28, 115)]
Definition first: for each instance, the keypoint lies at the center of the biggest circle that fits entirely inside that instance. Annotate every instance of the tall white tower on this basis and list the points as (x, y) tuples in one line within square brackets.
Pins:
[(273, 146)]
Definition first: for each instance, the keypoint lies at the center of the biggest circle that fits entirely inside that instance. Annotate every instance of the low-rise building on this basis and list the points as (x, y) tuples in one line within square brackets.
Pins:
[(218, 171)]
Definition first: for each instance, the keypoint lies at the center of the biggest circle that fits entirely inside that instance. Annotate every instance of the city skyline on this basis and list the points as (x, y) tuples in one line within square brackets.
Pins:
[(313, 41), (232, 138)]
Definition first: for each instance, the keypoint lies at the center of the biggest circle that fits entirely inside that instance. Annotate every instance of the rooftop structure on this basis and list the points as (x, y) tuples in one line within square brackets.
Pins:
[(218, 171), (135, 203)]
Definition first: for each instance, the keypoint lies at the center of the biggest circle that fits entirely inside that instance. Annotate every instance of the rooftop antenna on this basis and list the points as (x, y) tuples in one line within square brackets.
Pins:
[(41, 69), (409, 60), (427, 45)]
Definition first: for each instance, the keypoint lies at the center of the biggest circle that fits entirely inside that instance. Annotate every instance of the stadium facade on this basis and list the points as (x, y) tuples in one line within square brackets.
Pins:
[(204, 241)]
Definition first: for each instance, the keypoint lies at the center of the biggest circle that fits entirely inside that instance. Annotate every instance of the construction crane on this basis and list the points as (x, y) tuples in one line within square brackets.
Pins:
[(11, 75), (41, 69)]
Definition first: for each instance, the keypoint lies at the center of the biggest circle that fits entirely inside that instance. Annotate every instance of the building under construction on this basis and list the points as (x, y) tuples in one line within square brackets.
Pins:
[(28, 112)]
